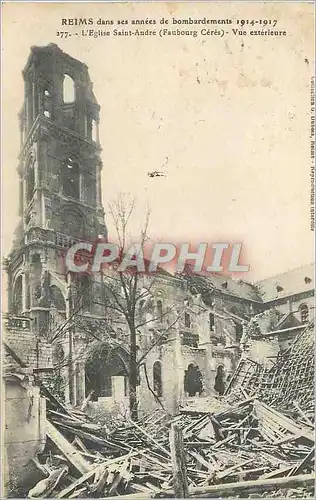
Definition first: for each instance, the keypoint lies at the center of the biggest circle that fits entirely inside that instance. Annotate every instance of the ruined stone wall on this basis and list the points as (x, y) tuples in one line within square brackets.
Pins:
[(147, 401), (34, 352), (289, 379), (293, 303), (25, 432)]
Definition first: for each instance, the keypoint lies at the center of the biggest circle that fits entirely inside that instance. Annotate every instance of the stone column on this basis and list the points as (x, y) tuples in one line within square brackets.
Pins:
[(29, 103), (36, 176), (24, 291), (80, 382), (178, 389), (97, 123), (34, 99), (209, 369), (24, 189), (81, 187), (98, 184), (67, 371), (21, 198), (21, 132)]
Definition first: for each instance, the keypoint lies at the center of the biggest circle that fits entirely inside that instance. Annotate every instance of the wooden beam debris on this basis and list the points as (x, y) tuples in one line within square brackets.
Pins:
[(180, 481), (235, 447), (70, 452)]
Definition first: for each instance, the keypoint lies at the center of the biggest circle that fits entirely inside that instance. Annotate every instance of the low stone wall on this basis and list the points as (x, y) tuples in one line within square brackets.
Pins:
[(25, 431)]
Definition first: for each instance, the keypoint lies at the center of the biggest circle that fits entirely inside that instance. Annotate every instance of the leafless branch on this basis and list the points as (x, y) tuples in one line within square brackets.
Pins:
[(150, 389)]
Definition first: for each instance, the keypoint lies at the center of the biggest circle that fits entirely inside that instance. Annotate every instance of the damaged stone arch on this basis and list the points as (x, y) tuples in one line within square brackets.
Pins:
[(193, 380), (57, 299), (69, 89), (106, 370)]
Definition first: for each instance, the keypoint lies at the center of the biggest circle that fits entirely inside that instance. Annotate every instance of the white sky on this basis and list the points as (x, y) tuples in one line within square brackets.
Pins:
[(227, 119)]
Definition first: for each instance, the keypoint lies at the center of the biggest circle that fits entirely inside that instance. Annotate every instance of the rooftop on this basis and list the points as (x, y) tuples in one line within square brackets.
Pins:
[(292, 282)]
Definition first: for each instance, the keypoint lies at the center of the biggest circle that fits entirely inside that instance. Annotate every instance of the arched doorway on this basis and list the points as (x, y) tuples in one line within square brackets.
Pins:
[(193, 380), (219, 385), (106, 372)]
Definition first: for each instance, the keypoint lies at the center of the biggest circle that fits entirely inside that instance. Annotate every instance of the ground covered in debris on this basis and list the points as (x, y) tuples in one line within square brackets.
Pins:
[(251, 443), (245, 449)]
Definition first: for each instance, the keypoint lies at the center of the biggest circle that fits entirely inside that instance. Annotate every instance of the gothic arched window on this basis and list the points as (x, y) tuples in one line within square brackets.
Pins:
[(56, 298), (84, 287), (68, 89), (211, 321), (304, 313), (70, 178), (187, 320), (159, 310), (17, 304), (30, 179), (239, 331), (157, 378)]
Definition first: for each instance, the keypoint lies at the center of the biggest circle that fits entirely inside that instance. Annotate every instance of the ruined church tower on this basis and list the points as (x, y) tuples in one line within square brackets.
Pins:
[(60, 191)]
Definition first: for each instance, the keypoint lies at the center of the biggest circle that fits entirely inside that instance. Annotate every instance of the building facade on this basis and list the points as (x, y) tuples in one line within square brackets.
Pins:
[(192, 329)]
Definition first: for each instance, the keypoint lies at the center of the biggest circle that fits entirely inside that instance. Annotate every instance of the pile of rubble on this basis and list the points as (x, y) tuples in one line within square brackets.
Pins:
[(289, 383), (242, 449)]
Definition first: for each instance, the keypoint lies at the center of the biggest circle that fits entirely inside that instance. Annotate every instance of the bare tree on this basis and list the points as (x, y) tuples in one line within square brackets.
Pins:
[(124, 290), (122, 286)]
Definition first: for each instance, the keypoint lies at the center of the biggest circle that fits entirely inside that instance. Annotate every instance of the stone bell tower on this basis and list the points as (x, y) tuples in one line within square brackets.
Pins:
[(60, 189)]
